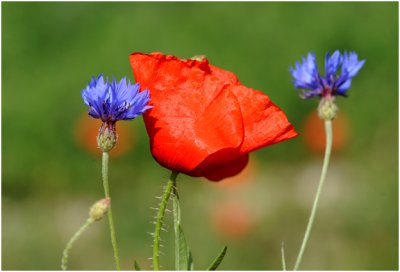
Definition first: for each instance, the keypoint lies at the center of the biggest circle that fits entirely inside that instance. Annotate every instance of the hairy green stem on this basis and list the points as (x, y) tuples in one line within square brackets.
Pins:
[(110, 217), (328, 147), (160, 218), (85, 226), (177, 221)]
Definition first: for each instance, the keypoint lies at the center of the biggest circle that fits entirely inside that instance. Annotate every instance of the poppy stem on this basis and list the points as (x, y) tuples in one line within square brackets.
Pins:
[(85, 226), (328, 148), (177, 221), (110, 217), (160, 217)]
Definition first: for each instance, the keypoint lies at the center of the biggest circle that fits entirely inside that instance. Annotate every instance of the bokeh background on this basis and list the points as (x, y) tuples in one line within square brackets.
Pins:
[(51, 168)]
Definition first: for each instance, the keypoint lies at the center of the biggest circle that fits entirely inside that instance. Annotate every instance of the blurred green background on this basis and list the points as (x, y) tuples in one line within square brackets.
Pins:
[(50, 178)]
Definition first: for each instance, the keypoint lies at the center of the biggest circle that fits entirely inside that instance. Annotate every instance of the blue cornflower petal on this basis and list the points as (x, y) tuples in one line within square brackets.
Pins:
[(331, 65), (139, 106), (350, 68), (343, 88), (94, 94), (310, 94), (114, 101), (306, 76), (351, 65)]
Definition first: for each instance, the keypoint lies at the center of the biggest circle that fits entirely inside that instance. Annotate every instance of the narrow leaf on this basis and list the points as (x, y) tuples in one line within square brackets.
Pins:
[(136, 265), (183, 258), (183, 263), (218, 260), (190, 263)]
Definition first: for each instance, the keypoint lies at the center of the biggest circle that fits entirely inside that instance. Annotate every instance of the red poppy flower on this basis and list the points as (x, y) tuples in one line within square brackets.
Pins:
[(204, 122)]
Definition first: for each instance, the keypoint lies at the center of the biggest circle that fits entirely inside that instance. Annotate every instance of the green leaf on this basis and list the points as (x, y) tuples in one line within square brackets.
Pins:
[(136, 265), (184, 252), (218, 260), (183, 258), (190, 263)]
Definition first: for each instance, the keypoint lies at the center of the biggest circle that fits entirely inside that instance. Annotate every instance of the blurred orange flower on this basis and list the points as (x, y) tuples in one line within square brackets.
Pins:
[(232, 219), (314, 132), (86, 131)]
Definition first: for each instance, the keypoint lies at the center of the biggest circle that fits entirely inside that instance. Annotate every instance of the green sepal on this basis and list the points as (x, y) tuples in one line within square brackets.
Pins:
[(218, 260), (136, 265)]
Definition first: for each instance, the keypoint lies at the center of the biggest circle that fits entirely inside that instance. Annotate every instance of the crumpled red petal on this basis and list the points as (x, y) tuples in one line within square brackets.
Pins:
[(203, 121)]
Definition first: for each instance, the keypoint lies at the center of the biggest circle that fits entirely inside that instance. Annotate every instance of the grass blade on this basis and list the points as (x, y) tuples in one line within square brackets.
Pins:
[(218, 260)]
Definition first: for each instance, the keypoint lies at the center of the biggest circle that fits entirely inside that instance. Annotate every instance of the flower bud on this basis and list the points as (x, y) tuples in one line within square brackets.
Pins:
[(199, 57), (99, 209), (327, 108), (107, 137)]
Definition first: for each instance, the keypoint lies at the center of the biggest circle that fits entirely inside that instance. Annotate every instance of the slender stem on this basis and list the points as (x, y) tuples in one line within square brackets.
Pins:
[(110, 217), (177, 221), (328, 147), (84, 227), (159, 219), (283, 256)]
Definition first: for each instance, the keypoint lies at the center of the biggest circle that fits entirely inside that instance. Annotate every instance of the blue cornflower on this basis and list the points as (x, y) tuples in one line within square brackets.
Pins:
[(115, 101), (112, 102), (306, 76)]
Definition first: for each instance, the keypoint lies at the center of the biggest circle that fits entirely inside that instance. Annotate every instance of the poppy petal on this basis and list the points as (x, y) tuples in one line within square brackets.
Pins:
[(230, 169), (203, 121), (264, 123), (186, 124)]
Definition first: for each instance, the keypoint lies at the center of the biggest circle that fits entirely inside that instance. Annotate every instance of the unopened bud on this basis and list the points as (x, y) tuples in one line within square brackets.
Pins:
[(327, 108), (99, 209), (107, 137), (199, 57)]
